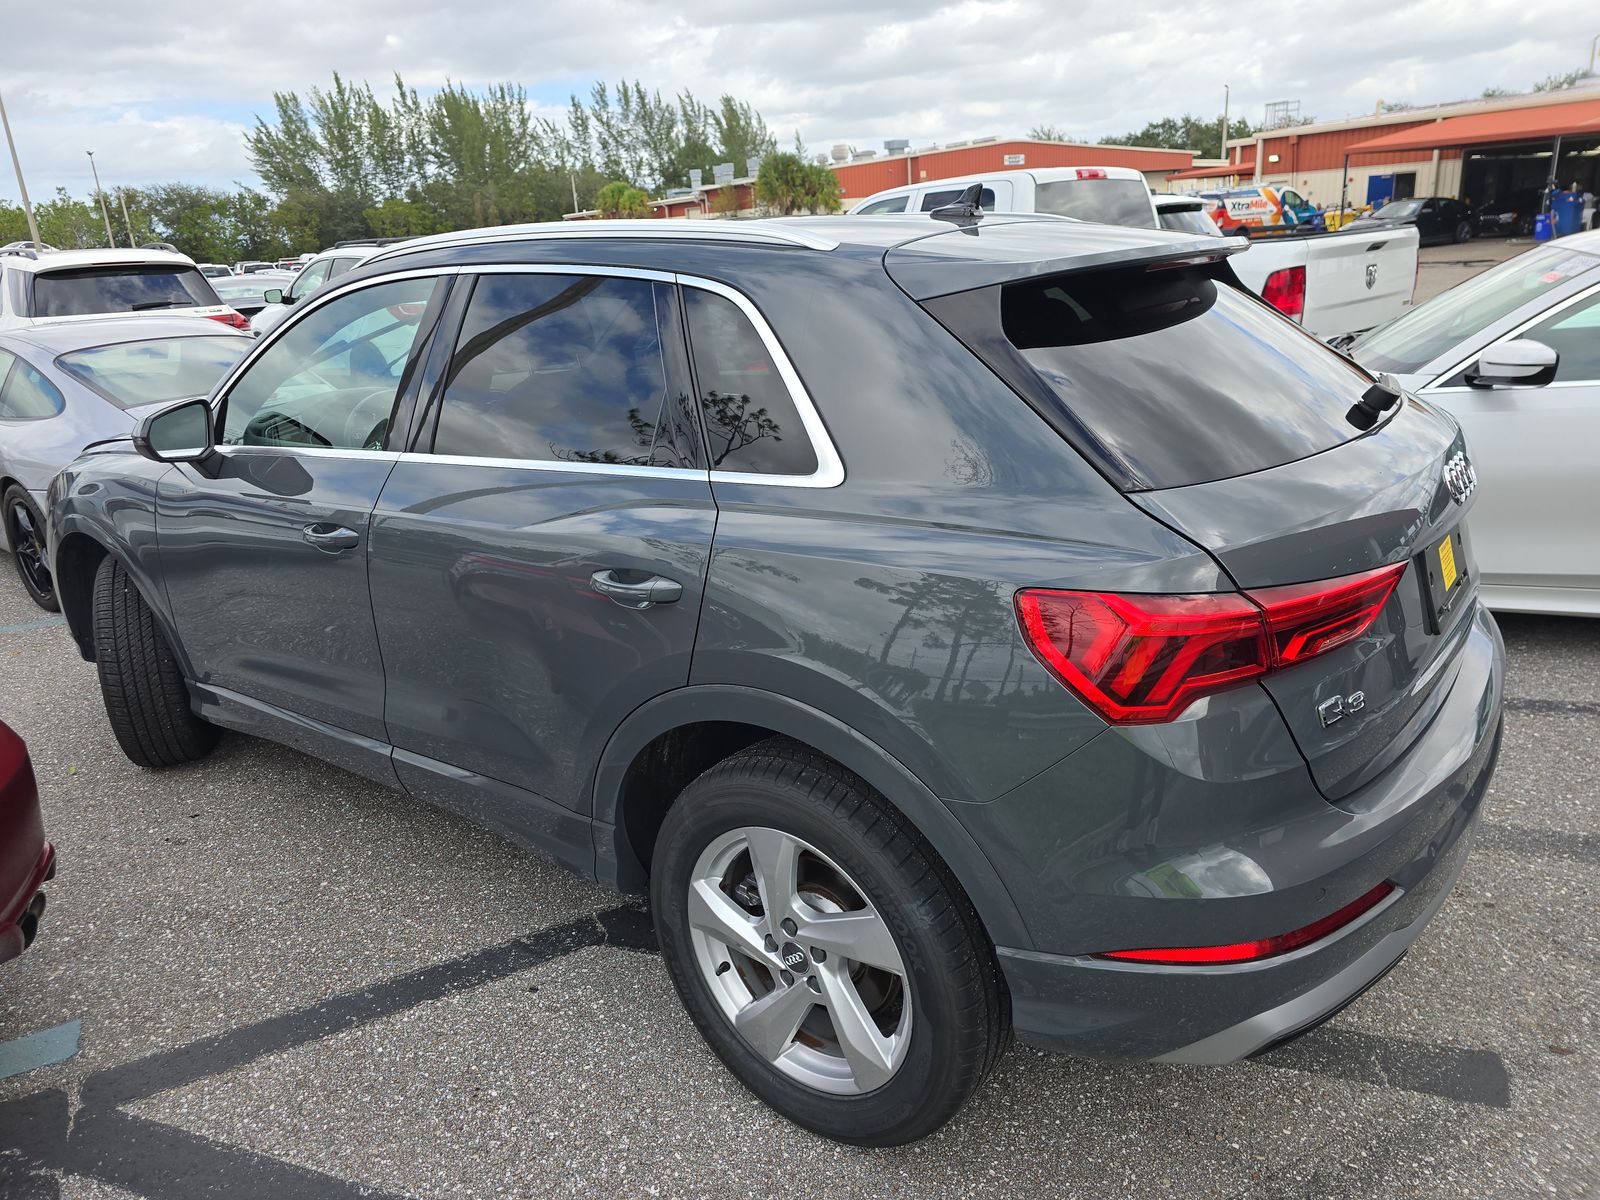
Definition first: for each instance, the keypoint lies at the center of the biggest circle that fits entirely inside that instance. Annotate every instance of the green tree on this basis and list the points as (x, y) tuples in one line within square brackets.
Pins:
[(788, 184), (69, 224), (622, 200), (1187, 132)]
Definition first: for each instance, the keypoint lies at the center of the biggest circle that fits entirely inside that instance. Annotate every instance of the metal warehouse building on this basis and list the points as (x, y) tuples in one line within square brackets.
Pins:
[(1503, 151)]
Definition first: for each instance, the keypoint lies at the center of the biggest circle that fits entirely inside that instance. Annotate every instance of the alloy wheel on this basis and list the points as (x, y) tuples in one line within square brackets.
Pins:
[(800, 961), (27, 544)]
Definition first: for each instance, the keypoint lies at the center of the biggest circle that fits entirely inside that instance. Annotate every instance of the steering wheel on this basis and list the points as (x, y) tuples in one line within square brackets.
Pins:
[(369, 419)]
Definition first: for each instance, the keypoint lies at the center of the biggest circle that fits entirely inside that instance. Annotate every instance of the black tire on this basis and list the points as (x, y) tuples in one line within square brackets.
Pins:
[(25, 534), (960, 1019), (147, 700), (1463, 232)]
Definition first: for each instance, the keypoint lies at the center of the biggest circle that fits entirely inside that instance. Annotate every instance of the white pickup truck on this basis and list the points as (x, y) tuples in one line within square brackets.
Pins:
[(1336, 285)]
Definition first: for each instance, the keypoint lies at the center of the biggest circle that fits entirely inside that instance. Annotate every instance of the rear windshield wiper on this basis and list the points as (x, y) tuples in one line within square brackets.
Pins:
[(144, 304)]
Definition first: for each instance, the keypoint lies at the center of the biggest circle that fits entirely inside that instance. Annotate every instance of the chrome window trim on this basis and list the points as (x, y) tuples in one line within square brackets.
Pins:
[(1436, 387), (230, 449), (747, 232), (556, 465), (830, 467)]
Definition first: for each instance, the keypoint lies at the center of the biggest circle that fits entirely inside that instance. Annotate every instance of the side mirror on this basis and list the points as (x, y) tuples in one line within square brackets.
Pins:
[(181, 432), (1522, 363), (273, 295)]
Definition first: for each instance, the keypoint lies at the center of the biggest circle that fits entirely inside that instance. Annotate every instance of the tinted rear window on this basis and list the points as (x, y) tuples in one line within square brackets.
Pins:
[(1180, 379), (1107, 201), (133, 373), (91, 290)]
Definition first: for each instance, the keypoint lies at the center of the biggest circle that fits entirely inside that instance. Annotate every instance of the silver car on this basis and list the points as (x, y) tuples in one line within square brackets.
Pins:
[(66, 385), (1514, 355)]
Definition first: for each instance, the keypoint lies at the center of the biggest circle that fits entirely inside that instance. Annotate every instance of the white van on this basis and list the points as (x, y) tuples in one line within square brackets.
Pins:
[(1107, 195)]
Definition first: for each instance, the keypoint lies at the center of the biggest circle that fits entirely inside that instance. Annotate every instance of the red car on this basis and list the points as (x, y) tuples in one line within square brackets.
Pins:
[(27, 860)]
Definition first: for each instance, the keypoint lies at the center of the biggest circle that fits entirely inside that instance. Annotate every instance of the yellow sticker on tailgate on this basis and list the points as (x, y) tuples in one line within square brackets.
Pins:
[(1447, 563)]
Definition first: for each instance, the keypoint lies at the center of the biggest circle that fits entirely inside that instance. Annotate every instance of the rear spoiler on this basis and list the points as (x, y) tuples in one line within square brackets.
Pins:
[(1011, 249)]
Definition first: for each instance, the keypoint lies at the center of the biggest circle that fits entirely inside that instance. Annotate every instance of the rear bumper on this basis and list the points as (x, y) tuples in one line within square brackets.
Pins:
[(1412, 827), (19, 926)]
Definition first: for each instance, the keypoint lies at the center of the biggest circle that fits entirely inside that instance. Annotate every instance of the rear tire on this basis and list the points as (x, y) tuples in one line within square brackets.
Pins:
[(939, 1016), (1463, 232), (26, 537), (147, 700)]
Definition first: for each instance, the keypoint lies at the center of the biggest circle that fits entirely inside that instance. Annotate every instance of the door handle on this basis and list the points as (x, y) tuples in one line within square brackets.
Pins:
[(331, 538), (655, 590)]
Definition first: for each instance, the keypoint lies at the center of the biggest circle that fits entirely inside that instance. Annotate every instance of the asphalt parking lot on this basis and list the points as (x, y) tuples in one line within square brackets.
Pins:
[(1440, 268), (292, 983)]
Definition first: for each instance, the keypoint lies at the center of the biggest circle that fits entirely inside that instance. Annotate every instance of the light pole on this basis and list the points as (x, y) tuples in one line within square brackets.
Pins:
[(126, 220), (111, 239), (1223, 145), (1593, 46), (27, 205)]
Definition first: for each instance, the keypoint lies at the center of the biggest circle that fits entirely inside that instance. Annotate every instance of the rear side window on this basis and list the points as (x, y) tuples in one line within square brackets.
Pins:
[(564, 368), (1179, 379), (935, 200), (1107, 201), (91, 290), (894, 204), (25, 394), (752, 424)]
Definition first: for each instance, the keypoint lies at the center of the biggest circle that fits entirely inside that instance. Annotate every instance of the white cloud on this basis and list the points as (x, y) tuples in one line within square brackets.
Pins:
[(165, 89)]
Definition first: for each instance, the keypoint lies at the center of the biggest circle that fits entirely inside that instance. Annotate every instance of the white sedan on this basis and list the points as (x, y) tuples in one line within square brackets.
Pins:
[(1514, 354)]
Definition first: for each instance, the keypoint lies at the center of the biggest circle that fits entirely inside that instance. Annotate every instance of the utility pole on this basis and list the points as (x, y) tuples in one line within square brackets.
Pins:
[(122, 199), (1224, 143), (111, 239), (27, 205)]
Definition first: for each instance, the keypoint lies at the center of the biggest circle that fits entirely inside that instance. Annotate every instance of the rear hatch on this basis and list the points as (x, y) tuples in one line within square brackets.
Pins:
[(1225, 421)]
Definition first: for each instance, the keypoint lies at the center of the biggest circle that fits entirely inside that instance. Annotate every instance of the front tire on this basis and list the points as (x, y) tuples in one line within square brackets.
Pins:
[(1463, 232), (26, 537), (822, 948), (147, 700)]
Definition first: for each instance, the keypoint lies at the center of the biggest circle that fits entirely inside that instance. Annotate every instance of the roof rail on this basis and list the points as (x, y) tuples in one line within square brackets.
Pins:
[(763, 232), (19, 251), (372, 241)]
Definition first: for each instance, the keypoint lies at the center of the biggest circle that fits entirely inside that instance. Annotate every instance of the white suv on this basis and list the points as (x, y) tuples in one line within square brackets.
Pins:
[(330, 264), (40, 287), (1107, 195)]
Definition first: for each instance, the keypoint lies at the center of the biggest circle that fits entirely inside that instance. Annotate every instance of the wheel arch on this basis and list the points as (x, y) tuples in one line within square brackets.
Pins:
[(79, 547), (667, 742)]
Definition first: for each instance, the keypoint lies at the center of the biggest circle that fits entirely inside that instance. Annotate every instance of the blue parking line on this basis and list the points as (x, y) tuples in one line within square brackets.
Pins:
[(42, 1049), (42, 623)]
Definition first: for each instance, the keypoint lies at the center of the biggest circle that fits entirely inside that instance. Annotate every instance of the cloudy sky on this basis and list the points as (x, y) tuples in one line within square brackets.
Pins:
[(163, 89)]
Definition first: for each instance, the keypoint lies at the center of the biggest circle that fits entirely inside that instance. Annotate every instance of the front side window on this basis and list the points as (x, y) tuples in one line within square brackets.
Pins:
[(133, 373), (565, 368), (751, 422), (308, 279), (332, 379), (25, 394), (89, 291)]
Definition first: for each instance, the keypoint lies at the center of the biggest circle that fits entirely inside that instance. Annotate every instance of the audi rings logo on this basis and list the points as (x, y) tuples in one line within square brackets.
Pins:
[(1460, 478)]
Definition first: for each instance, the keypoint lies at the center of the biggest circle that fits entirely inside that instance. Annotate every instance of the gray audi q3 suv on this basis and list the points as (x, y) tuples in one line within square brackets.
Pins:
[(955, 624)]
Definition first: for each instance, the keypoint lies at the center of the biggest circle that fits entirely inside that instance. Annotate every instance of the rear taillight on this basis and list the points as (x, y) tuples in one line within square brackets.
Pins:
[(230, 318), (1285, 290), (1140, 660), (1091, 173), (1268, 947)]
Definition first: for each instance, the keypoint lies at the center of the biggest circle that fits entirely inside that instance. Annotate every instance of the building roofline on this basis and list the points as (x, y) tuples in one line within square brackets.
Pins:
[(1432, 112)]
